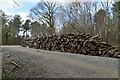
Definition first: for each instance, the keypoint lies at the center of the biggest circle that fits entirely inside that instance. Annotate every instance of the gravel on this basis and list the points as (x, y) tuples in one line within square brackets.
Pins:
[(48, 64)]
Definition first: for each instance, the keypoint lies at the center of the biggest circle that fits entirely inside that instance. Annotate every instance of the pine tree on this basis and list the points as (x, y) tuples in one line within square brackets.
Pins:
[(26, 27), (116, 11)]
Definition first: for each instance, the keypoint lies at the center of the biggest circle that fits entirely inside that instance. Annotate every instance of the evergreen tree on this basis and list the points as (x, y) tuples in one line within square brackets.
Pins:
[(15, 25), (5, 28), (26, 27), (116, 12)]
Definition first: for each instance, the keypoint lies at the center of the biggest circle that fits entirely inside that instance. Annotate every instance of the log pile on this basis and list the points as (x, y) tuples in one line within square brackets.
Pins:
[(74, 43)]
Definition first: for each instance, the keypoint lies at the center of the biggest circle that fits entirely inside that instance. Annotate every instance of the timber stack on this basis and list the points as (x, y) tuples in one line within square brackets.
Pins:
[(75, 43)]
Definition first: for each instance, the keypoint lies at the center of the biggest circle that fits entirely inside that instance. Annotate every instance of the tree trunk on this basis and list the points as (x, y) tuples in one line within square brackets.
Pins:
[(6, 42), (119, 32), (119, 25), (26, 32)]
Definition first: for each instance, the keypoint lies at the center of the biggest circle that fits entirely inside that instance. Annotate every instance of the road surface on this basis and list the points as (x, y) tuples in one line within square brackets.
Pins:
[(48, 64)]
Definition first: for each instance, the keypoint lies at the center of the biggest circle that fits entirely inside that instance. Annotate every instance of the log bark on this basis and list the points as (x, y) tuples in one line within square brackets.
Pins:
[(75, 43)]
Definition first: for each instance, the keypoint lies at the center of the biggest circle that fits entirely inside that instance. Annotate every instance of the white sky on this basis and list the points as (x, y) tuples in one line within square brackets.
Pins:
[(8, 6)]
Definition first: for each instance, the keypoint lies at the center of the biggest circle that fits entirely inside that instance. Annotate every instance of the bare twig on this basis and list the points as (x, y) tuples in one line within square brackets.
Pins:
[(16, 3), (15, 64)]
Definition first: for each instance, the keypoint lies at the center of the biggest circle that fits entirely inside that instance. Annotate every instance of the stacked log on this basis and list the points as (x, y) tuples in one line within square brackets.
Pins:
[(75, 43)]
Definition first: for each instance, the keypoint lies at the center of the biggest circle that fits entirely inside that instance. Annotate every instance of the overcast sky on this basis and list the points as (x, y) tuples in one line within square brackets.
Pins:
[(10, 8)]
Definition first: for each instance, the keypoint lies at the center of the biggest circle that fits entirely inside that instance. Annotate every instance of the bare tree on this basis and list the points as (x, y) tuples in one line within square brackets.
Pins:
[(100, 20), (45, 13), (79, 17)]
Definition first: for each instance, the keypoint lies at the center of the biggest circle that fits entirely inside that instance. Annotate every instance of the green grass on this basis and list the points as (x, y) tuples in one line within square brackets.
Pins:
[(6, 78)]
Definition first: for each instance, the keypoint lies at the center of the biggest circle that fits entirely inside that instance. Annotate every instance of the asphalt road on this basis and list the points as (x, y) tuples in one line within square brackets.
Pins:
[(48, 64)]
